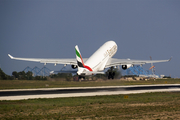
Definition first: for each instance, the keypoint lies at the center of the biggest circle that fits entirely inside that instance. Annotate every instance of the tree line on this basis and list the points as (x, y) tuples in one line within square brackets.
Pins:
[(26, 76), (20, 76), (4, 76), (67, 76)]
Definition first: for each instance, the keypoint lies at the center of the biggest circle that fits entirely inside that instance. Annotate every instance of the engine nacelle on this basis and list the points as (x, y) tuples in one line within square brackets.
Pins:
[(124, 67), (74, 66)]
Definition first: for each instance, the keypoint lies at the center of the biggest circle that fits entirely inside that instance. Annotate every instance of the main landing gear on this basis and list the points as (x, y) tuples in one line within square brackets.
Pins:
[(111, 73)]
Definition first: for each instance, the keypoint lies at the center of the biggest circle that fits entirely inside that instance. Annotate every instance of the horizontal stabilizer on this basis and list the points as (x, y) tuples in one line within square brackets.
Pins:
[(92, 72)]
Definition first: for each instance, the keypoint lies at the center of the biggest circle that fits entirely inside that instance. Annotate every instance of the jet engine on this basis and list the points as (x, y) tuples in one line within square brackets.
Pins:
[(74, 66), (124, 67)]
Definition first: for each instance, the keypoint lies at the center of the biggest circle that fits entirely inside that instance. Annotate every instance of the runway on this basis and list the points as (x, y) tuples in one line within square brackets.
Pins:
[(19, 94)]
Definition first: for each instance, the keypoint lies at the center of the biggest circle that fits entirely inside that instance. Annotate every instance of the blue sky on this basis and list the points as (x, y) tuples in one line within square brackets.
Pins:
[(51, 29)]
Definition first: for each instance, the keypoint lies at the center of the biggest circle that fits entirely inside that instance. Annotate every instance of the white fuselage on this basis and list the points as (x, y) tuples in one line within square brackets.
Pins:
[(98, 60)]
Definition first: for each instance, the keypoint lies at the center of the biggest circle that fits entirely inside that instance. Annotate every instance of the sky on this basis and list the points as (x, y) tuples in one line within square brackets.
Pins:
[(52, 28)]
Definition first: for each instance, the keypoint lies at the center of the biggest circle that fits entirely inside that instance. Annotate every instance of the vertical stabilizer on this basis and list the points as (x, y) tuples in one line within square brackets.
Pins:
[(79, 59), (80, 63)]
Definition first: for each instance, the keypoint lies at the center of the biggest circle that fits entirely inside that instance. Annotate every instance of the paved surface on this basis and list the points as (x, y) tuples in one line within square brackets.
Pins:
[(19, 94)]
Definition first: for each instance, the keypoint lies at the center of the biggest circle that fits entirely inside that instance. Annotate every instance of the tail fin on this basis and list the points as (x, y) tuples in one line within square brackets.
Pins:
[(79, 59), (80, 62)]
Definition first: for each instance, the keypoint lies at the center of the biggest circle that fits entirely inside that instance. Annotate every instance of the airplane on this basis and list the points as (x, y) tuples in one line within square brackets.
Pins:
[(96, 63)]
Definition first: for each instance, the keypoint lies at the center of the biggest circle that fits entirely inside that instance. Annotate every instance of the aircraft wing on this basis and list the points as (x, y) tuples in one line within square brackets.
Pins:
[(69, 61), (115, 62)]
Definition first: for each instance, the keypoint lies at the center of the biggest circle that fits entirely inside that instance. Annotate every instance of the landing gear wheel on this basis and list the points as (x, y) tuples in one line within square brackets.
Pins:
[(111, 75)]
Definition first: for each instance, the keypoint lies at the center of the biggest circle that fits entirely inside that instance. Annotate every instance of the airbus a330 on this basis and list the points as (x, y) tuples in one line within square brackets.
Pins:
[(96, 63)]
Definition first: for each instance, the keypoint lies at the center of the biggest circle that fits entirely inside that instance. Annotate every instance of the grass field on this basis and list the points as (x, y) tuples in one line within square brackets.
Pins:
[(25, 84), (145, 106), (134, 106)]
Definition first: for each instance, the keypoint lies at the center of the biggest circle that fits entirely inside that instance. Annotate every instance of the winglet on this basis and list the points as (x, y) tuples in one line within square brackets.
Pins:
[(170, 59), (10, 56)]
